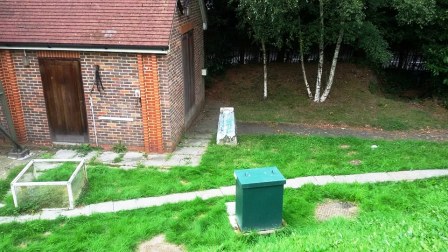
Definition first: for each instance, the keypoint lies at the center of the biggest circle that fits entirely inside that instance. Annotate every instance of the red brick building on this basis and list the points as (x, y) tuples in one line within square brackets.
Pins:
[(150, 58)]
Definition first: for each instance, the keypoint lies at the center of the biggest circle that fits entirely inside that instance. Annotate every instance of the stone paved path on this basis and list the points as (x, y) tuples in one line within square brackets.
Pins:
[(188, 153), (115, 206)]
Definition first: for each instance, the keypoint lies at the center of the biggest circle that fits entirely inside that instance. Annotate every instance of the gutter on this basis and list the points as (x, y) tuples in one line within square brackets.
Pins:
[(203, 14), (85, 49)]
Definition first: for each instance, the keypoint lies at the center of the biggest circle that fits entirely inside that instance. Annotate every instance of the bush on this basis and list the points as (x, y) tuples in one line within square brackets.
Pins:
[(119, 147), (84, 149)]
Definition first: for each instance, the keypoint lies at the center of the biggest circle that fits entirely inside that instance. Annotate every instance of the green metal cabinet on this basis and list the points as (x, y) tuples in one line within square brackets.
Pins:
[(259, 198)]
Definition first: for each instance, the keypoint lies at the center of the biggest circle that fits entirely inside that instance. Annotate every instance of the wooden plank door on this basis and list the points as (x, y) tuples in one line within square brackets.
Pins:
[(188, 67), (64, 99)]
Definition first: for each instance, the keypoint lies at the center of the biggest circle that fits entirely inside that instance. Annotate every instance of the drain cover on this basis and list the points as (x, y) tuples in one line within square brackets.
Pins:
[(335, 208)]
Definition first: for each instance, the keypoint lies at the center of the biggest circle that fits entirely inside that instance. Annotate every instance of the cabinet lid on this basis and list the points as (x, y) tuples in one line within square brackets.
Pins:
[(259, 177)]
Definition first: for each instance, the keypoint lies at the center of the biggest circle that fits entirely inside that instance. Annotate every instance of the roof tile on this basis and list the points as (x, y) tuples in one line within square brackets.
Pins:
[(137, 23)]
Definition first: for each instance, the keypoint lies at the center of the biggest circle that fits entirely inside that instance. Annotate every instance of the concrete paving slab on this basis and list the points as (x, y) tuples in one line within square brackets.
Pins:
[(7, 219), (157, 156), (195, 160), (155, 160), (28, 217), (107, 157), (128, 167), (403, 176), (148, 202), (130, 162), (200, 135), (189, 151), (105, 207), (132, 156), (82, 211), (228, 190), (207, 194), (42, 166), (177, 197), (345, 179), (50, 214), (65, 154), (372, 177), (195, 142), (178, 160), (431, 173), (154, 163), (299, 182), (90, 155), (125, 205), (325, 179), (230, 208)]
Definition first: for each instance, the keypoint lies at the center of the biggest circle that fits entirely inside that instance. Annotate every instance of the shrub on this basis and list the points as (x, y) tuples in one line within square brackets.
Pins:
[(119, 147)]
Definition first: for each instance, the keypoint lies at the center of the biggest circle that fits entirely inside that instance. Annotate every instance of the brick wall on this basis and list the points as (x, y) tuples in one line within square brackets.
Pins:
[(33, 102), (150, 98), (3, 123), (12, 94), (120, 78), (172, 81), (119, 74)]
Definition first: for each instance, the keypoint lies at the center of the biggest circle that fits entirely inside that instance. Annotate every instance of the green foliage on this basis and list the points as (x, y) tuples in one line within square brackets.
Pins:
[(60, 173), (46, 155), (5, 184), (295, 156), (264, 19), (221, 38), (119, 158), (84, 149), (119, 147), (407, 216), (438, 61), (371, 41), (351, 102), (33, 199), (420, 12), (390, 123), (374, 88)]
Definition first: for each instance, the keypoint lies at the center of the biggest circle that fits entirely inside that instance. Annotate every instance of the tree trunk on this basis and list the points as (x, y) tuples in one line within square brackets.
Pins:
[(241, 52), (321, 53), (308, 90), (265, 70), (333, 66)]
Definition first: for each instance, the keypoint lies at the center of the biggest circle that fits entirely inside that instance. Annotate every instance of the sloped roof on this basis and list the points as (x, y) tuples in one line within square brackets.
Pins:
[(114, 23)]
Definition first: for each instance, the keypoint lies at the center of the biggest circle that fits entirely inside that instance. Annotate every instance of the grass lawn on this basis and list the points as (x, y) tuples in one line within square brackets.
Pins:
[(354, 99), (295, 156), (61, 173), (407, 216)]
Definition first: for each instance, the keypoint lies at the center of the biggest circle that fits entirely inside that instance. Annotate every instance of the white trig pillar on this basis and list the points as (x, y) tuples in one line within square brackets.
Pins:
[(226, 127)]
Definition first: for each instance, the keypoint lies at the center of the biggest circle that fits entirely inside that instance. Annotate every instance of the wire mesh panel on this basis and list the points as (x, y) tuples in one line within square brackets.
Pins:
[(42, 196), (78, 182), (49, 183)]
